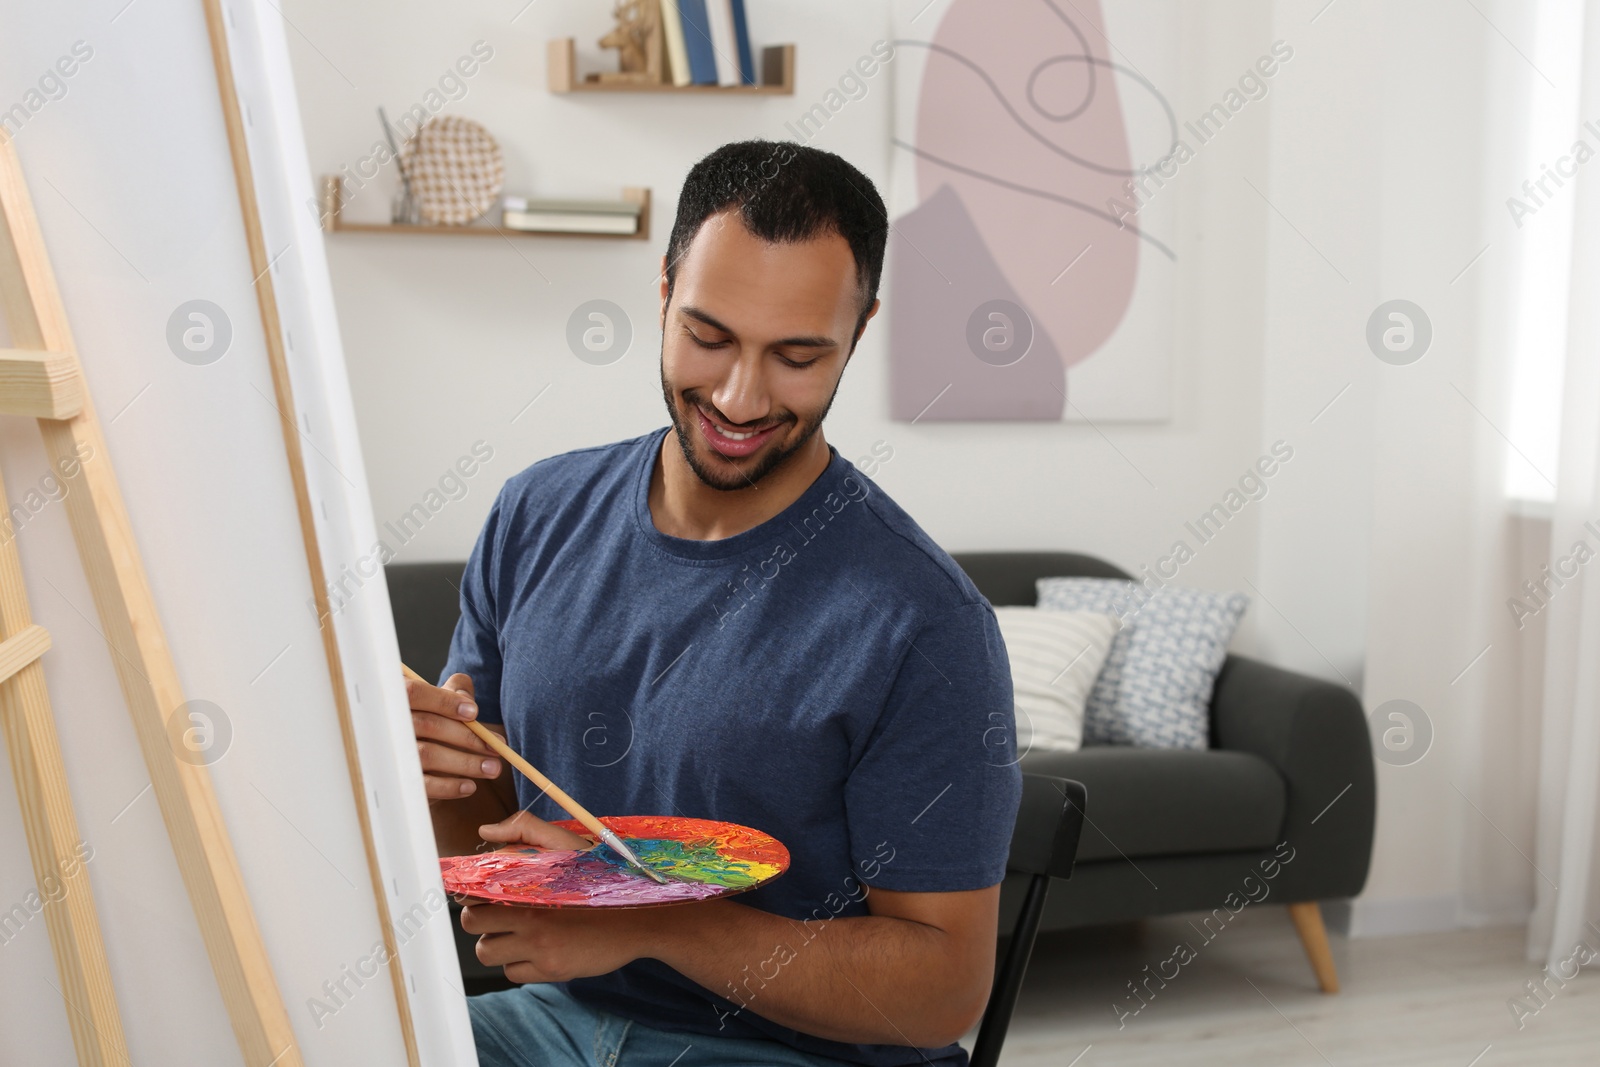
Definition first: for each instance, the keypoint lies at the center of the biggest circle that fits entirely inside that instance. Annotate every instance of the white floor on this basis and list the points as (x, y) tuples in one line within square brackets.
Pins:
[(1248, 997)]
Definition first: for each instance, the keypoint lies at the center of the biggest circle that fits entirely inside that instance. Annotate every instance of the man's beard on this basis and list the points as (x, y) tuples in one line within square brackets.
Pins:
[(770, 458)]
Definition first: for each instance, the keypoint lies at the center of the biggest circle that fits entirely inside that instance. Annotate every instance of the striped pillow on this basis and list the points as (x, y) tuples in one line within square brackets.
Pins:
[(1055, 657)]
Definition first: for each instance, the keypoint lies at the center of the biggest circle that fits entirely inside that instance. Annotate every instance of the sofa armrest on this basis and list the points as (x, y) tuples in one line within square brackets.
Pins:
[(1315, 734)]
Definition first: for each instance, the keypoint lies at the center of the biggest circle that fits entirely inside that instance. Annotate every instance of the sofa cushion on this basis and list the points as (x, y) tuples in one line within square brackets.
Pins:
[(1155, 687), (1169, 802), (1055, 657)]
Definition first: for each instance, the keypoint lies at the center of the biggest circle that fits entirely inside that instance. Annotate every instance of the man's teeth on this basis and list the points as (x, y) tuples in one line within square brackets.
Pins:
[(732, 436)]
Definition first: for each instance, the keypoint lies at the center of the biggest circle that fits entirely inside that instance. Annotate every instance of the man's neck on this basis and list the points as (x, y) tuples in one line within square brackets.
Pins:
[(681, 505)]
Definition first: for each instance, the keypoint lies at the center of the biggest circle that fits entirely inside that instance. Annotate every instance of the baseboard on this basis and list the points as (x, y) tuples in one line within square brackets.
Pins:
[(1336, 916), (1397, 916), (1514, 915)]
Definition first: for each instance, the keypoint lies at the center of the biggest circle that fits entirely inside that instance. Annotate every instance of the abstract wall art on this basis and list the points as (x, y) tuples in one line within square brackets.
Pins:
[(1031, 263)]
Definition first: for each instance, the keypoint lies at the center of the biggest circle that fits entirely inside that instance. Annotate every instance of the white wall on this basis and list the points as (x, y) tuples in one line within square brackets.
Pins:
[(1368, 166), (450, 338)]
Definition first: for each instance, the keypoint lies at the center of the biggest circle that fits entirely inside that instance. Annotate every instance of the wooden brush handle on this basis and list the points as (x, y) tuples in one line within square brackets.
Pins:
[(532, 773)]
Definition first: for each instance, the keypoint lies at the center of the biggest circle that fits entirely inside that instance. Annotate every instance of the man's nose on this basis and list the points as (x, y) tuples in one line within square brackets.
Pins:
[(741, 396)]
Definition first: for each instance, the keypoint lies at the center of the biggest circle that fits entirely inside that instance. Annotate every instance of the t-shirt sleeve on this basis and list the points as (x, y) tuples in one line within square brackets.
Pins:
[(475, 644), (933, 799)]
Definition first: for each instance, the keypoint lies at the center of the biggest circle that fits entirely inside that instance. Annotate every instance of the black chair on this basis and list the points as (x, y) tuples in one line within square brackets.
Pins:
[(1049, 823)]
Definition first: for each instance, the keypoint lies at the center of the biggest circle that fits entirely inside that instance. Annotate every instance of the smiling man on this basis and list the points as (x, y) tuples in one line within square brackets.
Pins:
[(724, 619)]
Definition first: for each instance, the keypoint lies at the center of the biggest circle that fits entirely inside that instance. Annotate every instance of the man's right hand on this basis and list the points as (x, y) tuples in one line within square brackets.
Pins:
[(453, 757)]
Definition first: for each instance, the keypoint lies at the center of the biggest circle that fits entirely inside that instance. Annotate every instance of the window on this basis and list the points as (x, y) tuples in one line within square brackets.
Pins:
[(1545, 250)]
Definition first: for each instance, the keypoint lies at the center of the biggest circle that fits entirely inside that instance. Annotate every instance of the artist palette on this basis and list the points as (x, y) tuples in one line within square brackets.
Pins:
[(700, 858)]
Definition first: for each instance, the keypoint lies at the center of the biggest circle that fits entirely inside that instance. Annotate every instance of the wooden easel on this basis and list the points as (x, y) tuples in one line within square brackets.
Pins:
[(41, 378)]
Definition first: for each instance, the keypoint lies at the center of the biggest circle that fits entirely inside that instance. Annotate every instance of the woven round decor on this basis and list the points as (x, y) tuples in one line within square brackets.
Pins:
[(456, 170)]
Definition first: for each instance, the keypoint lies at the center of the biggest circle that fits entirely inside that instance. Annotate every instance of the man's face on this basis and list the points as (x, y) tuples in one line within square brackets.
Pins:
[(753, 345)]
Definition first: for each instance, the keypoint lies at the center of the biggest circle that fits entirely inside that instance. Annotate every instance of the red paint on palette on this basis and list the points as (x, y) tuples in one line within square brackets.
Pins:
[(700, 858)]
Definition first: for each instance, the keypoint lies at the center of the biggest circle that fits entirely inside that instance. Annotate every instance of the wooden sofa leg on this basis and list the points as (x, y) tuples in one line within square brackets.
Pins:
[(1307, 919)]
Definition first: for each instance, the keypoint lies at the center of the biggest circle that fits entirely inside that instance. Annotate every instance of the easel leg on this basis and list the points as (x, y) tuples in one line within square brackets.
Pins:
[(143, 663), (60, 857)]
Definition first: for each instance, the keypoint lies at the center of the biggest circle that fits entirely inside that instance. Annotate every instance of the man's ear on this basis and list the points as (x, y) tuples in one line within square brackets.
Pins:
[(873, 310)]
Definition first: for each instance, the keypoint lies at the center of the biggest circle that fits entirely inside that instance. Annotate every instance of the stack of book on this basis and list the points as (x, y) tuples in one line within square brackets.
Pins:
[(569, 216), (708, 42)]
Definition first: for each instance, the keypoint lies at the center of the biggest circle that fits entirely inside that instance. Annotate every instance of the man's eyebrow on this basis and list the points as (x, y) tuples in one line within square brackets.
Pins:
[(816, 341)]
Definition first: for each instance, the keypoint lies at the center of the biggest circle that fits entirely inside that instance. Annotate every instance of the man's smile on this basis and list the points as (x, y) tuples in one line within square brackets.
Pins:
[(734, 444)]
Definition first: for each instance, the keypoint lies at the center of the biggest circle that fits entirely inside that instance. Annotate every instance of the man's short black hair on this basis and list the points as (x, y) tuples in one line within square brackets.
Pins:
[(786, 192)]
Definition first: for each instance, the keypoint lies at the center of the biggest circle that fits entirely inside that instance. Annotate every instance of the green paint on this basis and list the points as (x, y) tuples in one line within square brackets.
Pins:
[(691, 861)]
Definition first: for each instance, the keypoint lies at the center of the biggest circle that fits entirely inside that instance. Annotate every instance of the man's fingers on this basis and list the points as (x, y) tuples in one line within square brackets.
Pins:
[(514, 828), (525, 828), (451, 755), (438, 788), (498, 950), (439, 759), (428, 726), (454, 699), (490, 919), (447, 771)]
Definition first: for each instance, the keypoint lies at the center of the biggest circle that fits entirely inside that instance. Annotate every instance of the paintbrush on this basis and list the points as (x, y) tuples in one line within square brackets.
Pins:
[(555, 792)]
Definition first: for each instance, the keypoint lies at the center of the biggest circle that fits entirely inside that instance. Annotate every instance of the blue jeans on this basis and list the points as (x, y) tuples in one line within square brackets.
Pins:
[(543, 1026)]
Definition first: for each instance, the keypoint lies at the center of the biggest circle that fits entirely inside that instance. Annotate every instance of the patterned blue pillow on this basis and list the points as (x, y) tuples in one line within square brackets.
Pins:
[(1155, 687)]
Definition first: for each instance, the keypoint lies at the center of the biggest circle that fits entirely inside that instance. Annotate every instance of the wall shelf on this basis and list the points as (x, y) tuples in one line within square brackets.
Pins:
[(777, 75), (333, 222)]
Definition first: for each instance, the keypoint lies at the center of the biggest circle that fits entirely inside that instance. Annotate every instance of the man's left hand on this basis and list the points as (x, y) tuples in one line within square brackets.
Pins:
[(556, 944)]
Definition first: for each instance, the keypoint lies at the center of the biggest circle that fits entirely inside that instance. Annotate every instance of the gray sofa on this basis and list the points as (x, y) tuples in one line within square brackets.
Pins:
[(1169, 830), (1290, 764)]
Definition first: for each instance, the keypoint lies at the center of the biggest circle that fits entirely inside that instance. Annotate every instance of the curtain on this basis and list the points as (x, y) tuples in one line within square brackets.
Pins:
[(1567, 898)]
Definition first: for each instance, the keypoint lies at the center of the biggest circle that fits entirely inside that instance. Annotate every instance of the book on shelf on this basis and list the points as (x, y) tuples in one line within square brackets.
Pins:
[(697, 42), (593, 207), (724, 47), (570, 221), (741, 32), (677, 56), (565, 215)]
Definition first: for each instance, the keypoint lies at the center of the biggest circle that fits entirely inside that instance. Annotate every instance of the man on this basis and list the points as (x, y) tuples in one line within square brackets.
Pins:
[(724, 619)]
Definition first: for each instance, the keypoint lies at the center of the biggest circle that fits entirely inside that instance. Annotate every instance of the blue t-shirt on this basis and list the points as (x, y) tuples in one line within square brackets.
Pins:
[(830, 677)]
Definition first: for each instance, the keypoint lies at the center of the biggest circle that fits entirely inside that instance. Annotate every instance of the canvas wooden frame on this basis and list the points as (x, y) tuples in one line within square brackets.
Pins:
[(311, 390)]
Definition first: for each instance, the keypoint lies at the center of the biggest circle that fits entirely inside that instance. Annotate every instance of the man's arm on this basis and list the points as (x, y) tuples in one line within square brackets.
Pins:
[(916, 971)]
